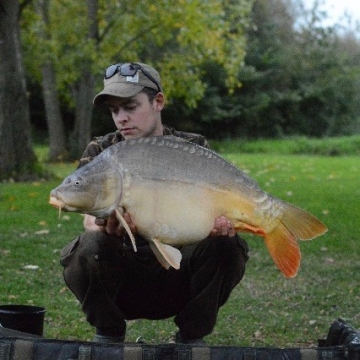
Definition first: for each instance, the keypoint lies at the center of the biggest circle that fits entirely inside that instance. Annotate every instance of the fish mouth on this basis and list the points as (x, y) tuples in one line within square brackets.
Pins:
[(60, 204), (57, 203)]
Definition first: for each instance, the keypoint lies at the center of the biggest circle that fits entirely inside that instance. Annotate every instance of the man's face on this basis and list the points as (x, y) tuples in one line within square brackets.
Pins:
[(136, 117)]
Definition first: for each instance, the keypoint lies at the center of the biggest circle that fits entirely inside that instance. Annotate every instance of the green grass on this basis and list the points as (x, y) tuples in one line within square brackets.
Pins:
[(265, 309), (297, 145)]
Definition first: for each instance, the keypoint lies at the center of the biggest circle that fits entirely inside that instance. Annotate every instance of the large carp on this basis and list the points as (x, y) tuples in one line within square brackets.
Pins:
[(173, 191)]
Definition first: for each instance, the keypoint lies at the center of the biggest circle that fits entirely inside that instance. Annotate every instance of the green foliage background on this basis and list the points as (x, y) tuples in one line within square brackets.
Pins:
[(249, 69), (175, 36)]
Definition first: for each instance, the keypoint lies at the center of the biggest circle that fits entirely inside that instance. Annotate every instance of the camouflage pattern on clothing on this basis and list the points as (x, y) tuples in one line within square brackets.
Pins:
[(99, 144), (26, 347)]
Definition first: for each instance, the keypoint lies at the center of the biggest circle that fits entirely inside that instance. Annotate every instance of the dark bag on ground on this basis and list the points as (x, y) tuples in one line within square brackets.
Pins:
[(15, 345)]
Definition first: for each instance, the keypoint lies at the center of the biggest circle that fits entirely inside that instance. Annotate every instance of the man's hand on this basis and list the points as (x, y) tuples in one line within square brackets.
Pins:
[(222, 227), (109, 225)]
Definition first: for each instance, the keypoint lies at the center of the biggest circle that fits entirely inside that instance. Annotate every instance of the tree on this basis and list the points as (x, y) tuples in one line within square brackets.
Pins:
[(177, 37), (297, 80), (56, 129), (17, 158), (328, 84), (83, 89)]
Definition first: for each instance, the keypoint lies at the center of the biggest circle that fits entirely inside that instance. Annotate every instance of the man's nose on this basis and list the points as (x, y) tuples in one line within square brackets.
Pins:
[(120, 116)]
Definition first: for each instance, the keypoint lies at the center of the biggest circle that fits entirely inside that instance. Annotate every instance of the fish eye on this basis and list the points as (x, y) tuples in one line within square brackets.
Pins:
[(78, 182)]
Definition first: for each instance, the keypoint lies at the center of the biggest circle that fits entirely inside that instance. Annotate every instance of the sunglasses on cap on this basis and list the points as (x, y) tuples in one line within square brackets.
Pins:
[(128, 69)]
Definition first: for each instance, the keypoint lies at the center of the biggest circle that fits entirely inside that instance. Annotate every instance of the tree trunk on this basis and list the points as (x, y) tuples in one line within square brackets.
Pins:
[(85, 90), (56, 128), (17, 158), (83, 113)]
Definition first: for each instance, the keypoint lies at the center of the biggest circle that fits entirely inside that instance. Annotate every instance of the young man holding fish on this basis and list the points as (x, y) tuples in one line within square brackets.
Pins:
[(113, 282)]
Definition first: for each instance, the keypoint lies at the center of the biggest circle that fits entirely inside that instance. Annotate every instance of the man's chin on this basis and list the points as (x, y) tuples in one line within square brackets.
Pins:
[(130, 134)]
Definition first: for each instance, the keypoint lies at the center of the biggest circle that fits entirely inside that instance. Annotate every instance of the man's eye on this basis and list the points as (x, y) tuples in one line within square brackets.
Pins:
[(130, 107)]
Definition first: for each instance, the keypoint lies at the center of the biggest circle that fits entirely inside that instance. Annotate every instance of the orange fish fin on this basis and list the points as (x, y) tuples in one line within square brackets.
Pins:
[(284, 250), (281, 244), (166, 254), (302, 224), (241, 226)]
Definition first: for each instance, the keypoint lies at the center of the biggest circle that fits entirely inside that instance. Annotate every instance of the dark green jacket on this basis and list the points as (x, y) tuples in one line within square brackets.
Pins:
[(99, 144)]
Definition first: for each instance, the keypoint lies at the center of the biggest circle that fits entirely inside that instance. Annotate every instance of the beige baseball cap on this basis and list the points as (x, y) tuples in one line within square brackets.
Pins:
[(127, 79)]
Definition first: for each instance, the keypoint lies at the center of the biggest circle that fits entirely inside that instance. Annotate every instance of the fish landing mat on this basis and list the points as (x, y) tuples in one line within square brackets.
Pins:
[(343, 342)]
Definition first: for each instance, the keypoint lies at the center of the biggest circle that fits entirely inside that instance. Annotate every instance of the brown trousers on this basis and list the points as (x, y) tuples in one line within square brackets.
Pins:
[(113, 283)]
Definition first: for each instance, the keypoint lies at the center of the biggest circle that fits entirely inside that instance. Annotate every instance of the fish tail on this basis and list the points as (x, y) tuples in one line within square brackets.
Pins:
[(295, 224), (284, 250), (302, 224)]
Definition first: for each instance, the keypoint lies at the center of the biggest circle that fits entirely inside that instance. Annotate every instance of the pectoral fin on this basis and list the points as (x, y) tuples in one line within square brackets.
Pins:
[(241, 226), (166, 254), (126, 227)]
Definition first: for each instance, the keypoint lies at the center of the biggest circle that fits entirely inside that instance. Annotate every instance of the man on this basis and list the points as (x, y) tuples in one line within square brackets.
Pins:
[(112, 282)]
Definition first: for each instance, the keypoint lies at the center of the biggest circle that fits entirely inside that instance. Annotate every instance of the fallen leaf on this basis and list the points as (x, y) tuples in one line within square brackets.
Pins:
[(42, 232), (257, 334), (30, 267)]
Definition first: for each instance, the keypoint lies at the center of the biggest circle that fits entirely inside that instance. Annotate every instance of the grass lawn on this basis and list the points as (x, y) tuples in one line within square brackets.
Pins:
[(265, 309)]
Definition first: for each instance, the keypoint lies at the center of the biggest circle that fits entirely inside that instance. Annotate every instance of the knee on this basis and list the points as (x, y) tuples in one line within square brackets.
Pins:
[(85, 259), (230, 249), (86, 245), (233, 257), (227, 253)]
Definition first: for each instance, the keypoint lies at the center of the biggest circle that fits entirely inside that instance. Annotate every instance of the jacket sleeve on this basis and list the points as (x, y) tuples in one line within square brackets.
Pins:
[(96, 146)]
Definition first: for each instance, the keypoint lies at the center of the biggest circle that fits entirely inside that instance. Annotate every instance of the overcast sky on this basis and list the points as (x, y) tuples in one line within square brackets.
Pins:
[(336, 9)]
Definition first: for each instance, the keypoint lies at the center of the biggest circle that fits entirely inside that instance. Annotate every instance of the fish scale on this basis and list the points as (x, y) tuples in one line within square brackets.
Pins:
[(173, 190)]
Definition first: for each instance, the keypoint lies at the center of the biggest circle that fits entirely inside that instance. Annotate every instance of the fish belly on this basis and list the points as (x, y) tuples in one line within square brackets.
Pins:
[(175, 213), (179, 213)]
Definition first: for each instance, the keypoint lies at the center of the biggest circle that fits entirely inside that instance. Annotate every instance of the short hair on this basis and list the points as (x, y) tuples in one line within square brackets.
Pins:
[(150, 92)]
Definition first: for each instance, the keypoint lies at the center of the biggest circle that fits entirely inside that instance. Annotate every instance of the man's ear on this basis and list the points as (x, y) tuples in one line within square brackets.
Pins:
[(159, 101)]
